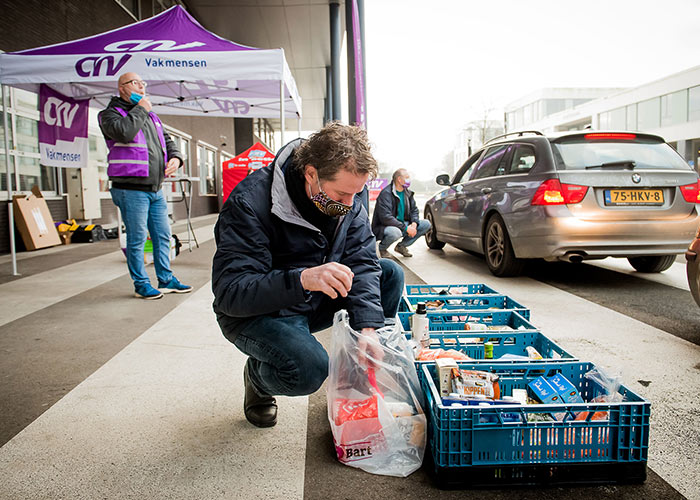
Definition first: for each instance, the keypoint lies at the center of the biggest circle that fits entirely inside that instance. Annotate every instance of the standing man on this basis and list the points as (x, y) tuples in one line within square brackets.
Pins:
[(396, 215), (141, 155), (294, 246)]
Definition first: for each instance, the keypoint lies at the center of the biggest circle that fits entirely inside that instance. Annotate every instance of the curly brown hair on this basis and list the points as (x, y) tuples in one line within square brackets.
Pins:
[(334, 147)]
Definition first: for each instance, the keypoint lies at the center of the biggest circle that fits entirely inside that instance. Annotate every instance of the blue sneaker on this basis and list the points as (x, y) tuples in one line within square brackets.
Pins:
[(146, 291), (173, 287)]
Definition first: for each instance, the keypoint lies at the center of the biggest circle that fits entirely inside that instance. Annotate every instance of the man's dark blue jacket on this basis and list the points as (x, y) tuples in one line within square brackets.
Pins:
[(386, 209), (263, 245)]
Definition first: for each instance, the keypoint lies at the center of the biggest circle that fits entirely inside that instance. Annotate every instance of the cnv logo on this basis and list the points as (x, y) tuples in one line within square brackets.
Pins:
[(111, 64), (59, 113)]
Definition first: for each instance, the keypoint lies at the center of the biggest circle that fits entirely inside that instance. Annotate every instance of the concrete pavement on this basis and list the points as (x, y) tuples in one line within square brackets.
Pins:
[(124, 398)]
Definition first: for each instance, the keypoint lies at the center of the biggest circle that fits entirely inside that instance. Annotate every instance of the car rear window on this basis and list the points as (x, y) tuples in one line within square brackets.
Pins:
[(578, 153)]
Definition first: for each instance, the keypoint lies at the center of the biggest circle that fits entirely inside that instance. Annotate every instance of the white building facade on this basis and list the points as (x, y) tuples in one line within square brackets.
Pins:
[(669, 107)]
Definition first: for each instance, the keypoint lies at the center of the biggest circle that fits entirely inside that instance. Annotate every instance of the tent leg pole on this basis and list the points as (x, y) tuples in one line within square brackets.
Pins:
[(281, 112), (10, 208)]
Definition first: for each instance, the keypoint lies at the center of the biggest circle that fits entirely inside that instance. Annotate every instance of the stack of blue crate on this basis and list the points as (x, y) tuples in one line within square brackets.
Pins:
[(508, 445)]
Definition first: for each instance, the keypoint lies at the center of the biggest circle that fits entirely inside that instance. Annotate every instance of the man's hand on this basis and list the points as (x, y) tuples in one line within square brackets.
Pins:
[(172, 166), (331, 278), (412, 229), (145, 103), (369, 350)]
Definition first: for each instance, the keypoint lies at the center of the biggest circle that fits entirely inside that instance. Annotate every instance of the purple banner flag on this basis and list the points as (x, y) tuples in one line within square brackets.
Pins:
[(360, 105), (63, 129)]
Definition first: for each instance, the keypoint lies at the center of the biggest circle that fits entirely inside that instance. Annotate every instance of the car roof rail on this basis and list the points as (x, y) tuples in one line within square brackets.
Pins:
[(519, 134)]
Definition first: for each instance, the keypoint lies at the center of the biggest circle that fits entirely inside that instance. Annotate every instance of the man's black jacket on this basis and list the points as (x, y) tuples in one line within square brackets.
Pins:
[(263, 245), (387, 207)]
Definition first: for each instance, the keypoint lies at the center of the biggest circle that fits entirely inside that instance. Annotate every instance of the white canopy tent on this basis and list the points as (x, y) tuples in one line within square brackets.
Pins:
[(189, 71)]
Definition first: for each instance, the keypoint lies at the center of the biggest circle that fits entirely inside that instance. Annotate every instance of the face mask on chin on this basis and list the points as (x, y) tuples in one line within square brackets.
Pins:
[(406, 183), (328, 205)]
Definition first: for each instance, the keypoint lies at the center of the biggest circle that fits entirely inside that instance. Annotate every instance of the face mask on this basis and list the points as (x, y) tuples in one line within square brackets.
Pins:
[(328, 205), (135, 98), (407, 183)]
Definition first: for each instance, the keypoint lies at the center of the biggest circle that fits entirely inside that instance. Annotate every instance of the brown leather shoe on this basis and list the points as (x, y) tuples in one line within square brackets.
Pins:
[(259, 409)]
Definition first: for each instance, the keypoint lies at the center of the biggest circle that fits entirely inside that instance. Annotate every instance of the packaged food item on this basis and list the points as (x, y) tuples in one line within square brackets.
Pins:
[(434, 304), (513, 357), (598, 415), (420, 333), (488, 350), (475, 326), (473, 383), (543, 391), (532, 353), (520, 395), (444, 368), (434, 354), (567, 392)]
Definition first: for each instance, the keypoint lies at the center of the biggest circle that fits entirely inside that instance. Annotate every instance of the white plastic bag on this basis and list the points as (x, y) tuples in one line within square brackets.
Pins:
[(374, 406)]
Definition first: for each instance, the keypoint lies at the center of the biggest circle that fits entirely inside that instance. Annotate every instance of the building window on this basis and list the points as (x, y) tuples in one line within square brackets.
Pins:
[(694, 104), (206, 159), (617, 119), (649, 114), (97, 159), (674, 108), (631, 120), (182, 142), (23, 138)]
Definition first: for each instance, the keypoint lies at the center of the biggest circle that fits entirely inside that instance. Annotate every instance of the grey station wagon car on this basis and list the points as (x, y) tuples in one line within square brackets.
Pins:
[(574, 196)]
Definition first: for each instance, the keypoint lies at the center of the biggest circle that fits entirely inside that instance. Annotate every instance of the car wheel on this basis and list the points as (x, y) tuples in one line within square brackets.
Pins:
[(498, 250), (431, 236), (652, 264)]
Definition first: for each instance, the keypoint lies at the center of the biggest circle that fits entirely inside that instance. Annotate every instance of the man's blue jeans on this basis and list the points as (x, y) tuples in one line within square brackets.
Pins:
[(285, 358), (145, 213), (393, 233)]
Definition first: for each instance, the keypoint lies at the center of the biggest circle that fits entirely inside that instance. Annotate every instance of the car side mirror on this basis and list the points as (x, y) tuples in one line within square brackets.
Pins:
[(443, 180)]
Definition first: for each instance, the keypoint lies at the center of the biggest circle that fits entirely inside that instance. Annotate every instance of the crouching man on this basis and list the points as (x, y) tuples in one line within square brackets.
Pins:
[(294, 245)]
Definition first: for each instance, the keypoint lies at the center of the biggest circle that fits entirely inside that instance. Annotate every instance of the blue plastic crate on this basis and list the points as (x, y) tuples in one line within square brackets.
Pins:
[(465, 302), (457, 288), (442, 321), (474, 436), (472, 344)]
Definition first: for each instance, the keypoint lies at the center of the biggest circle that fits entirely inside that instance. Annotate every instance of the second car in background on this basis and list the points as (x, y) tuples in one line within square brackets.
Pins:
[(574, 196)]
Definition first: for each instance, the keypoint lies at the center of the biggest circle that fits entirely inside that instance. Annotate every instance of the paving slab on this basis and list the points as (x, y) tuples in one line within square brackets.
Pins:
[(162, 419)]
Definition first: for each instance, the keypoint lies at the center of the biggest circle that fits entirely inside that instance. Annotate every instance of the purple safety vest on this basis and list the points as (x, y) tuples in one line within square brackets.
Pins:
[(131, 159)]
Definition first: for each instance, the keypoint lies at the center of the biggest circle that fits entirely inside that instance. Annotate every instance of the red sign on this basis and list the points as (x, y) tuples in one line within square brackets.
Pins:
[(250, 160)]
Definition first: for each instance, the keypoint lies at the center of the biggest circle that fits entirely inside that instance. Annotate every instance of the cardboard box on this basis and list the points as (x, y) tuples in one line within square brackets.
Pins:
[(566, 390), (34, 221), (543, 391), (444, 370)]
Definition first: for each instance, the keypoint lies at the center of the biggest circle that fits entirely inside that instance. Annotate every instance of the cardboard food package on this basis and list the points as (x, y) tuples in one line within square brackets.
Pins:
[(34, 221)]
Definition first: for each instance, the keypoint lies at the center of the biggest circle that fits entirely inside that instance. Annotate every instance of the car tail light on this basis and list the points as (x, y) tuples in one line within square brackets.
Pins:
[(610, 136), (553, 192), (691, 192)]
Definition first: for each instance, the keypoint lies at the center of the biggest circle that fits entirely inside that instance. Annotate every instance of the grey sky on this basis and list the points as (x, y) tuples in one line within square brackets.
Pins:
[(433, 66)]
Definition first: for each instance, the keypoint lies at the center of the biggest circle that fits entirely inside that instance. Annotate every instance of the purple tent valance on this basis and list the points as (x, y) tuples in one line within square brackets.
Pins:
[(189, 70)]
